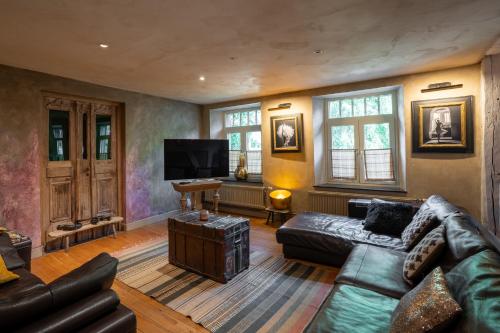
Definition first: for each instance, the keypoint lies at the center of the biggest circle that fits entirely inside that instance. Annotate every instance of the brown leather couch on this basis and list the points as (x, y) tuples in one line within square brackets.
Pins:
[(80, 301)]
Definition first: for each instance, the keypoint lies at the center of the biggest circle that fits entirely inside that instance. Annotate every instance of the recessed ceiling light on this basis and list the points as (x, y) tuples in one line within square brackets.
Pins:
[(202, 78), (104, 46), (318, 51)]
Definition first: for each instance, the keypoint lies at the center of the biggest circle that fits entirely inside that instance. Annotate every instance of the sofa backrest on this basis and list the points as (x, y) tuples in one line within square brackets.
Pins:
[(463, 240), (475, 285), (439, 206)]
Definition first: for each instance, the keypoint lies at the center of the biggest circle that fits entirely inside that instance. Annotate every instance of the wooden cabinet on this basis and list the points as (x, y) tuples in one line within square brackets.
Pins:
[(82, 170)]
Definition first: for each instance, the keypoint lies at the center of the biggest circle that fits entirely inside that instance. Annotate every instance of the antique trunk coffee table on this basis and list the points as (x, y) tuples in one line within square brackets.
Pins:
[(218, 248)]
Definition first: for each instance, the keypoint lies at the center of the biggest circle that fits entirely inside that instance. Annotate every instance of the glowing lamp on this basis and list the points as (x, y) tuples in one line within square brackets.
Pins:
[(280, 199)]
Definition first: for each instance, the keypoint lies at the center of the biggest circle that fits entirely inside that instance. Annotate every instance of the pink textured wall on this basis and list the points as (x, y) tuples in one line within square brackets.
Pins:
[(149, 120), (20, 184)]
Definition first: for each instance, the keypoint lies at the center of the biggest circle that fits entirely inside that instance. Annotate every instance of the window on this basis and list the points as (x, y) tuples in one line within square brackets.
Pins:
[(362, 139), (242, 129)]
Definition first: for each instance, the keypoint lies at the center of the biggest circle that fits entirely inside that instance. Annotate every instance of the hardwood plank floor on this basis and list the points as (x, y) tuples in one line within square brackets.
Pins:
[(151, 315)]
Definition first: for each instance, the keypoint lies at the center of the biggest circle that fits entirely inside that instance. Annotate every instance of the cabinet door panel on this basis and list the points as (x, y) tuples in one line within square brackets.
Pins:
[(60, 201)]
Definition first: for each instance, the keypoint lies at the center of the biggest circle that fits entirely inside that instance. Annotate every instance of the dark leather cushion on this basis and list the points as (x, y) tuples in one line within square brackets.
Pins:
[(77, 315), (332, 234), (23, 300), (9, 253), (464, 240), (439, 206), (95, 275), (376, 269), (388, 218), (122, 320), (475, 285), (353, 309)]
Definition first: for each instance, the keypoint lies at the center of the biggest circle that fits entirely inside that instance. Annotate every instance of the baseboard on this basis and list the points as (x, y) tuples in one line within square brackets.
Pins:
[(150, 220), (37, 252)]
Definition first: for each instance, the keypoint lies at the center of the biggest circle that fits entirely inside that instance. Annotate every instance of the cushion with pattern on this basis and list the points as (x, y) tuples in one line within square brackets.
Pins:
[(423, 221), (423, 255), (429, 307)]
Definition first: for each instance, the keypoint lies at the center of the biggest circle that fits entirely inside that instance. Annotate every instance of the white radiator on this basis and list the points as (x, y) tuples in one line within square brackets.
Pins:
[(246, 196), (336, 202)]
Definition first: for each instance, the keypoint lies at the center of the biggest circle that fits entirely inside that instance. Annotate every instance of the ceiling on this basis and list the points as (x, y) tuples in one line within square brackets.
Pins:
[(243, 48)]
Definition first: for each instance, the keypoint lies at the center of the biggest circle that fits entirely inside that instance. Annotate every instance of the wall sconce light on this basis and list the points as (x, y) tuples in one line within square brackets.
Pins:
[(441, 86), (281, 107)]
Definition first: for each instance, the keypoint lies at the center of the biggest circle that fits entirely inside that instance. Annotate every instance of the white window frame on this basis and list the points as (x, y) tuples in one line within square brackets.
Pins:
[(243, 130), (358, 122)]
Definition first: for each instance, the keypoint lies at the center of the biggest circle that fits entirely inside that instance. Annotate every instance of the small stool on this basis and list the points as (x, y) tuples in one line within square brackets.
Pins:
[(282, 213)]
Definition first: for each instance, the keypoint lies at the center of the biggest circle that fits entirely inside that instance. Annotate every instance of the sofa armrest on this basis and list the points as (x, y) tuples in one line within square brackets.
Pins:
[(96, 275), (122, 320), (9, 253), (76, 316)]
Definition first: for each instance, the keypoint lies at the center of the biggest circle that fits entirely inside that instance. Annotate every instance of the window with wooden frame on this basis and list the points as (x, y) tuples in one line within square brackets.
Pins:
[(243, 130), (362, 136)]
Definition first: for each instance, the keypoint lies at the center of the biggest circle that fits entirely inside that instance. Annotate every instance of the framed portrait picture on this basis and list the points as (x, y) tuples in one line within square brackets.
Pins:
[(286, 133), (443, 125)]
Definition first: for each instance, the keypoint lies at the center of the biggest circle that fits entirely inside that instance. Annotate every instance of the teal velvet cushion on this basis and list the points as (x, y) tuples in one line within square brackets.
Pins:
[(353, 309), (475, 285)]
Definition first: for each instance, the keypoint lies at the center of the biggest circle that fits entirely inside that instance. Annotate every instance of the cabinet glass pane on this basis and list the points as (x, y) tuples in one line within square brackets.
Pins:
[(58, 135), (103, 137), (84, 136)]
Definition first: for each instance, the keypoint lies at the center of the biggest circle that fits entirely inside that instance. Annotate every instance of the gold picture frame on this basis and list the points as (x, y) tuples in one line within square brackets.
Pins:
[(286, 133), (443, 125)]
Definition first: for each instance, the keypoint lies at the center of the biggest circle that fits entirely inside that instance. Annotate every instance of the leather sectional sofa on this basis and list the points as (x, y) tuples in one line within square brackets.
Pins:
[(80, 301), (370, 282)]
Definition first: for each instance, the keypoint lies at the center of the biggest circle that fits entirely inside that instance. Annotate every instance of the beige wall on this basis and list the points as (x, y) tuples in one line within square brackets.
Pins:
[(455, 176)]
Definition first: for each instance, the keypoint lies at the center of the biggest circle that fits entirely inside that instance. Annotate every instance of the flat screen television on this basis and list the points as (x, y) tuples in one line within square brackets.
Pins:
[(194, 159)]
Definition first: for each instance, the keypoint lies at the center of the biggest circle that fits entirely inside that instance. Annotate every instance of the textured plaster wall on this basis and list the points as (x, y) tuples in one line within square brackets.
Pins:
[(149, 120), (455, 176)]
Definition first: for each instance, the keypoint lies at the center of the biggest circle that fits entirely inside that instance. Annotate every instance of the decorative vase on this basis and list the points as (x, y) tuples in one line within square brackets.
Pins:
[(241, 172)]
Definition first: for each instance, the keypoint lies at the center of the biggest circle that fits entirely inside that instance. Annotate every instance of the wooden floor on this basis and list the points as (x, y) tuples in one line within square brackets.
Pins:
[(151, 315)]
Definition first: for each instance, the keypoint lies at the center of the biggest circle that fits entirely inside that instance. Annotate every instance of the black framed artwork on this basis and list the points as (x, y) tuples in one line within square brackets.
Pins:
[(286, 133), (443, 125)]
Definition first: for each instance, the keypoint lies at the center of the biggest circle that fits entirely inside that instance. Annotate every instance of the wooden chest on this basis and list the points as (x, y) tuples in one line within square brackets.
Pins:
[(218, 248)]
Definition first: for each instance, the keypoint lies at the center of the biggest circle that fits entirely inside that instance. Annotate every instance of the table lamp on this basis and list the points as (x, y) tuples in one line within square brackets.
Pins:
[(280, 199)]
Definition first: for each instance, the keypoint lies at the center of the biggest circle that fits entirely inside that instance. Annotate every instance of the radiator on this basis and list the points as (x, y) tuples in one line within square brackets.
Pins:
[(336, 202), (245, 196)]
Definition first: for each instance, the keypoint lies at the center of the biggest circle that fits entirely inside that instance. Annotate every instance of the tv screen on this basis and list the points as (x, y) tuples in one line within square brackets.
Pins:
[(192, 159)]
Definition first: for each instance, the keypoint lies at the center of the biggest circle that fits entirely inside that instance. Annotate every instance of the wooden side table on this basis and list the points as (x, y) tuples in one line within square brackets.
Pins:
[(282, 214), (195, 186)]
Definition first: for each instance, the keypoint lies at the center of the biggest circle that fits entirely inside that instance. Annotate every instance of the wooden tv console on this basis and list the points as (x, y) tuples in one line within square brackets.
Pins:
[(197, 186)]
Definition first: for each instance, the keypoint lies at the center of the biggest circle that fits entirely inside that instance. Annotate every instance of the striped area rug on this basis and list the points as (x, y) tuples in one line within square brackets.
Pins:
[(273, 295)]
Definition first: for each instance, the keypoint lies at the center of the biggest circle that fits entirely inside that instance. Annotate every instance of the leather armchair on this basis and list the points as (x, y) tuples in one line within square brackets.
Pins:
[(81, 300)]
